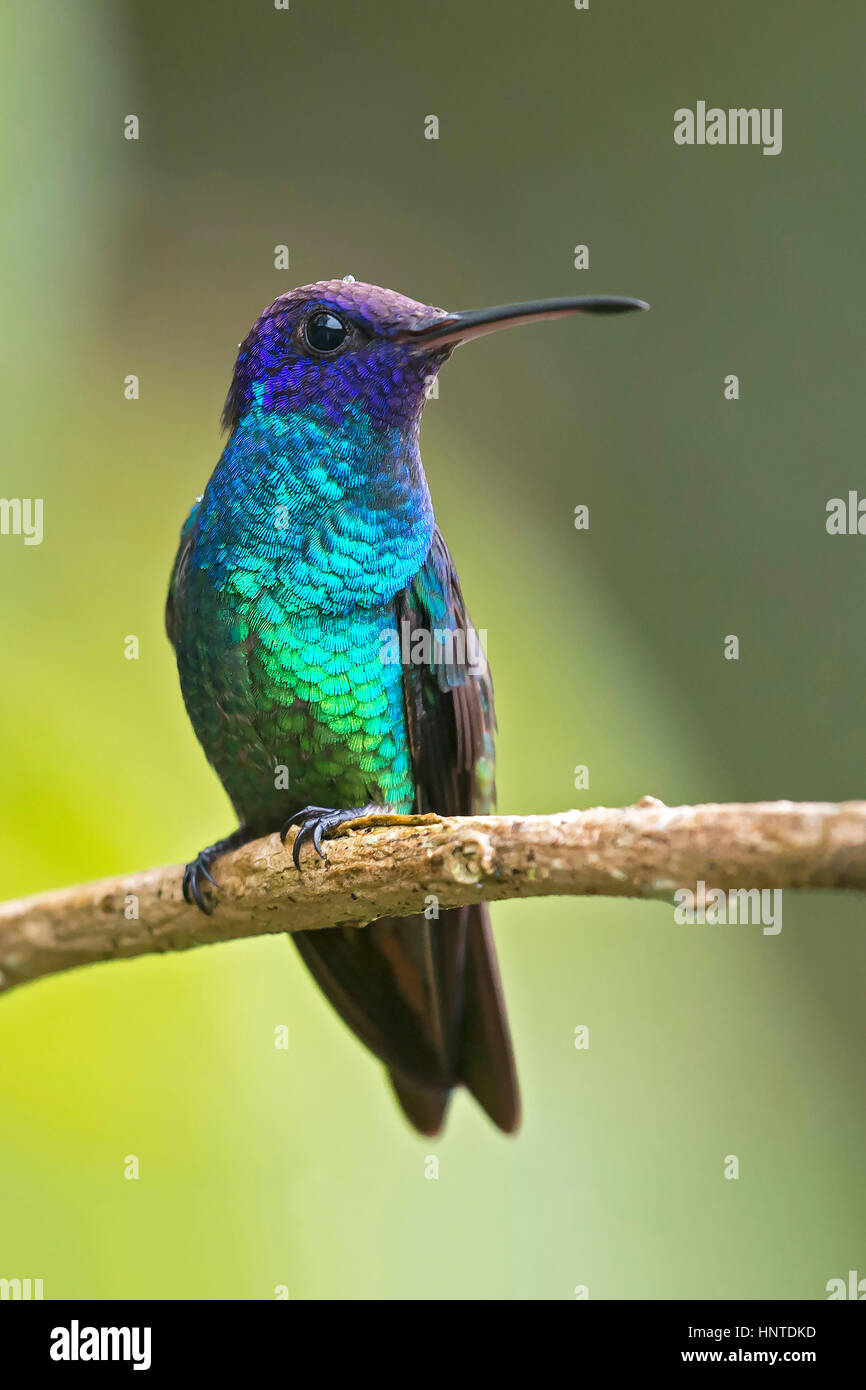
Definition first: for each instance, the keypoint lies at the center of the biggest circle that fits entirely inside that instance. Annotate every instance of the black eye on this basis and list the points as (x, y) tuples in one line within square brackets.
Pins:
[(324, 332)]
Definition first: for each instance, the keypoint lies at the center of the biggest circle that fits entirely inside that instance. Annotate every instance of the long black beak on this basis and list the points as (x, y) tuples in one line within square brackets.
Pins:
[(461, 327)]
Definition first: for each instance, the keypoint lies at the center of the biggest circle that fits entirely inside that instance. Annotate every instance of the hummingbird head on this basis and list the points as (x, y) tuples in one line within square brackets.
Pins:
[(350, 348), (341, 345)]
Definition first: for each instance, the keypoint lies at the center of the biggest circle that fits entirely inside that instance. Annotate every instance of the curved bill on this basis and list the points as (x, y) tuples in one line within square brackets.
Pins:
[(462, 327)]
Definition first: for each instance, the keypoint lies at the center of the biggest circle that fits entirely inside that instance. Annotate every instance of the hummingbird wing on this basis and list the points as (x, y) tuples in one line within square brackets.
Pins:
[(424, 995), (178, 572), (451, 723)]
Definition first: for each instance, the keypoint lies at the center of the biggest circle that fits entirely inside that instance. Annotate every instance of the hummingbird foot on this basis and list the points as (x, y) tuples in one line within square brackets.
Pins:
[(199, 869), (317, 821)]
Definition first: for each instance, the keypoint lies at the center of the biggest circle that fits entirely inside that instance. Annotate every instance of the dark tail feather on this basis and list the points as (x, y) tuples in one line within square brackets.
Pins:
[(426, 999), (422, 1108), (486, 1060)]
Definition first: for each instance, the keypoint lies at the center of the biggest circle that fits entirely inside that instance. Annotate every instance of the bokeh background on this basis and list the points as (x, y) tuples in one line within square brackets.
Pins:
[(259, 127)]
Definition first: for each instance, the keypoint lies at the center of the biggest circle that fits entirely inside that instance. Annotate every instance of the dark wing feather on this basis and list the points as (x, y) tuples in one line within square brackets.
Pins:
[(425, 995), (178, 573), (451, 723)]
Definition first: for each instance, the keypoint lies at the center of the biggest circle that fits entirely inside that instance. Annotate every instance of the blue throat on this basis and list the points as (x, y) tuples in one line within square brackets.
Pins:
[(340, 514)]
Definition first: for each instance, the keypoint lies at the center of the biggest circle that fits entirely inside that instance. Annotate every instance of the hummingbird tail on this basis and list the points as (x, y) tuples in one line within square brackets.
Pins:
[(423, 1108), (485, 1059), (425, 997)]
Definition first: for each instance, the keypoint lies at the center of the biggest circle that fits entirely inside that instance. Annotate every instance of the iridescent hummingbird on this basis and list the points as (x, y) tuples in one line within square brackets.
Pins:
[(312, 546)]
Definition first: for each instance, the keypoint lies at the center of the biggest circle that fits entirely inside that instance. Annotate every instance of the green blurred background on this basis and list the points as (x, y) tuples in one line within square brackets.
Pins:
[(262, 1167)]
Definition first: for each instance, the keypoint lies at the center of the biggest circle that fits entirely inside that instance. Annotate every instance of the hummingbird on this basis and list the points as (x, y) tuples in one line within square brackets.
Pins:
[(312, 547)]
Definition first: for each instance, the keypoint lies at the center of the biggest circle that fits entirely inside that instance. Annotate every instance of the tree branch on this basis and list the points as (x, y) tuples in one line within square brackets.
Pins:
[(392, 866)]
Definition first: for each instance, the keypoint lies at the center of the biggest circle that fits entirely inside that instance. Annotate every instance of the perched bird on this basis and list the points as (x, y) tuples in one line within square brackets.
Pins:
[(313, 545)]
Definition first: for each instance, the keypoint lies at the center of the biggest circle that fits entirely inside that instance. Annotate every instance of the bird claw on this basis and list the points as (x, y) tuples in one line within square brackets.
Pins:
[(318, 821), (300, 816), (198, 870), (192, 874)]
